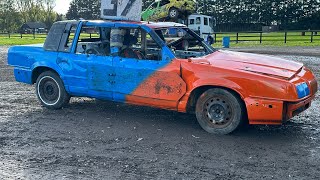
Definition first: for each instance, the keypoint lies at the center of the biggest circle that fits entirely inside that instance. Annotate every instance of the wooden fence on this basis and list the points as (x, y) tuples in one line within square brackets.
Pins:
[(259, 36)]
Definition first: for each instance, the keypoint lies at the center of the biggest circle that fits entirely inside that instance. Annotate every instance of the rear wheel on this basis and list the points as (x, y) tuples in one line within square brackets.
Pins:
[(51, 91), (219, 111), (173, 13)]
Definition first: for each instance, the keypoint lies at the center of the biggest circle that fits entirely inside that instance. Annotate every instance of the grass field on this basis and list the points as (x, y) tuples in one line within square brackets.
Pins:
[(269, 39), (275, 39), (15, 39)]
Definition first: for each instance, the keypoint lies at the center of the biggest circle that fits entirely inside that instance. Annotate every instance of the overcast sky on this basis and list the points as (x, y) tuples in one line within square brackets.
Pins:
[(62, 6)]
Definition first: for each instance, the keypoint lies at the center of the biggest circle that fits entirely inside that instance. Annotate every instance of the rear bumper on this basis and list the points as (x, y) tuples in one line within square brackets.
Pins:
[(23, 75)]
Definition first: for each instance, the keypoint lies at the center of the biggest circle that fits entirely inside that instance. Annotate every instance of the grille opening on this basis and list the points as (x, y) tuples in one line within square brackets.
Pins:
[(300, 110)]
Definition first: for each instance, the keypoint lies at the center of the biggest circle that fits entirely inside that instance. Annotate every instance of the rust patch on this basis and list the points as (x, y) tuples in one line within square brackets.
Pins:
[(161, 85)]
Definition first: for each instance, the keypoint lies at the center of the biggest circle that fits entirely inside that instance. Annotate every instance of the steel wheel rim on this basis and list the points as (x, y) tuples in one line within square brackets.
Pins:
[(173, 13), (49, 90), (218, 112)]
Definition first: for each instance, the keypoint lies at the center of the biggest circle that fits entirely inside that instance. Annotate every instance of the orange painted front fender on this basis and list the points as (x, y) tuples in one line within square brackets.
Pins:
[(265, 96)]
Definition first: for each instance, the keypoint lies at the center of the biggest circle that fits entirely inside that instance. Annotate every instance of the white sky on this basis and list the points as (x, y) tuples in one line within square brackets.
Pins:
[(62, 6)]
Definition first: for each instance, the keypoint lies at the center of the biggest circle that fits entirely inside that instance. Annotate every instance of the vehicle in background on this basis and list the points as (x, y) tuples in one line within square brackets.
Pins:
[(168, 10), (201, 24), (180, 11)]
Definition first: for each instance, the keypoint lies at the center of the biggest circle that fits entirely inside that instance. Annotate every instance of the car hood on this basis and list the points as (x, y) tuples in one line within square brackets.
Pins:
[(260, 64)]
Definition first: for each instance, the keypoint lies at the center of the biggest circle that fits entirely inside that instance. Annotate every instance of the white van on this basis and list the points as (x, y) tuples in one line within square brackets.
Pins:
[(201, 24)]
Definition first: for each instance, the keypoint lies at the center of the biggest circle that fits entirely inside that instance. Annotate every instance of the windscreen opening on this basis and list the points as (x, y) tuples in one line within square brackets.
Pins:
[(184, 43)]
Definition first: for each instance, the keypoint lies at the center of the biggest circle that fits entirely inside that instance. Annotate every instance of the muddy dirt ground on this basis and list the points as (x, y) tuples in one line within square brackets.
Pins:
[(94, 140)]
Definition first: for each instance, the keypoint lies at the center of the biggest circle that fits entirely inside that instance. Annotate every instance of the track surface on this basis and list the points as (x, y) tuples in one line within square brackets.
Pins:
[(94, 140)]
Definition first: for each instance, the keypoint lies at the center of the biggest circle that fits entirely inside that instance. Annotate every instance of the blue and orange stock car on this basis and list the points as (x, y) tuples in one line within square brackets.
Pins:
[(163, 65)]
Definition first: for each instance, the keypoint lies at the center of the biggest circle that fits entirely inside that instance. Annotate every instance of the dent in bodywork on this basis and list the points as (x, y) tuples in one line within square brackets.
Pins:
[(262, 111)]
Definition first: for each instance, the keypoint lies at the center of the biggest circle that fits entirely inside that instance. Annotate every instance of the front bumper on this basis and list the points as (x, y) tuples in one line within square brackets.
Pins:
[(277, 111), (293, 109), (274, 112)]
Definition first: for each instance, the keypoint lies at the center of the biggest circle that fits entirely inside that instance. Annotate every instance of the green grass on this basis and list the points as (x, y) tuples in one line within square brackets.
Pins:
[(18, 41), (15, 39), (275, 39), (271, 44)]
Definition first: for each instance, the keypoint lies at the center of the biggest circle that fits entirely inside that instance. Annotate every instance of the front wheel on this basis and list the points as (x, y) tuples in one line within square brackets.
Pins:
[(219, 111), (51, 91)]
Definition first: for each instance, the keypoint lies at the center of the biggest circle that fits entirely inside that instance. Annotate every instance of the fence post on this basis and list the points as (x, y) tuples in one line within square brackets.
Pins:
[(9, 34), (90, 35), (260, 37), (285, 37), (21, 35), (311, 36), (34, 34), (237, 38), (215, 37)]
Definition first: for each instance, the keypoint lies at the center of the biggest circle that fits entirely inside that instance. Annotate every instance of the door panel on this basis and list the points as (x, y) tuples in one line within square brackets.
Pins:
[(101, 77), (148, 82), (130, 73), (87, 75), (163, 85), (74, 67)]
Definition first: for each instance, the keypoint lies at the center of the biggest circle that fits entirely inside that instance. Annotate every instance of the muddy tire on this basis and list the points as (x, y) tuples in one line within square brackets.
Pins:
[(51, 91), (219, 111), (173, 13)]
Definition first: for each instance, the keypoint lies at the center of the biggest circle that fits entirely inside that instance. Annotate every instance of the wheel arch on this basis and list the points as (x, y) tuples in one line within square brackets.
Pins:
[(196, 93), (38, 70), (173, 7)]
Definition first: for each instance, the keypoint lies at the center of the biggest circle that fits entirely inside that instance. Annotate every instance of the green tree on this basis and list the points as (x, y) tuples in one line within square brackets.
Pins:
[(50, 15), (87, 9), (9, 17), (14, 13)]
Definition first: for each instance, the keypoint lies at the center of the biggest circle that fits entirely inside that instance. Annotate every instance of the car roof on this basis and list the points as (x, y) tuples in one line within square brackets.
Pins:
[(199, 15), (152, 25)]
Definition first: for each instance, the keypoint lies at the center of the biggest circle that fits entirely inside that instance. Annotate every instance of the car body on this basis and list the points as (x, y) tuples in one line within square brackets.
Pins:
[(178, 71), (161, 9)]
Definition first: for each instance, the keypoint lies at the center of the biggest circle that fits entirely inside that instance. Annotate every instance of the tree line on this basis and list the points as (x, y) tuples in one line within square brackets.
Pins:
[(288, 14), (14, 13)]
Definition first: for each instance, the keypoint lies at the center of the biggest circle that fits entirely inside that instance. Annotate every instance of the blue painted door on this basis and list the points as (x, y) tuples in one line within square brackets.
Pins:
[(130, 73), (75, 70), (88, 75), (101, 77)]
